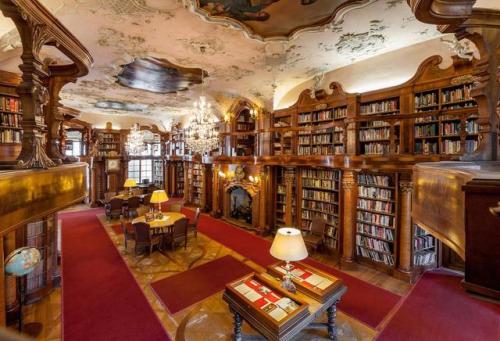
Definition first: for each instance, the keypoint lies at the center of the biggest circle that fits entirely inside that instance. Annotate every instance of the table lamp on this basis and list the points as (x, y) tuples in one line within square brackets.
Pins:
[(129, 183), (289, 246), (158, 197)]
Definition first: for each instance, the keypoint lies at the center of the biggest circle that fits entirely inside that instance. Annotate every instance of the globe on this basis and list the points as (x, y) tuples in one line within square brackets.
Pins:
[(22, 261)]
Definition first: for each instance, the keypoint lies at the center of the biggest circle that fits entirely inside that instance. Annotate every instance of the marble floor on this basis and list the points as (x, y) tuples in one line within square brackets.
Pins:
[(210, 318)]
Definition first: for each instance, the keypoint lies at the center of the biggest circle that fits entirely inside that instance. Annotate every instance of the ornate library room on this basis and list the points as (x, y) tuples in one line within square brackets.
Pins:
[(283, 170)]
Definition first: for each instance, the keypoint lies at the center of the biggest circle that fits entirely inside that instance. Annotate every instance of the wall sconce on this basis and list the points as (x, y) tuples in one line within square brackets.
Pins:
[(227, 117), (222, 174), (254, 113)]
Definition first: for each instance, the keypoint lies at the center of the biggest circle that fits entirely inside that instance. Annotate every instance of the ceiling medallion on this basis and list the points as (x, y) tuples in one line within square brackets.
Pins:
[(276, 19), (158, 75)]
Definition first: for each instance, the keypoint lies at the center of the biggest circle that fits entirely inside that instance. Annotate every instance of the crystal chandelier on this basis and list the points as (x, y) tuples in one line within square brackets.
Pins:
[(135, 141), (202, 135)]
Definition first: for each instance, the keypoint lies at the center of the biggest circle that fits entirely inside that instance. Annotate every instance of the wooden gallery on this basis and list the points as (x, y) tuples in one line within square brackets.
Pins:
[(249, 169)]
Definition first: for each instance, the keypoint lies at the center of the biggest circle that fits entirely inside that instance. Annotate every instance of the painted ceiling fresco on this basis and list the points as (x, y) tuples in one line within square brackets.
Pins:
[(118, 32), (275, 18)]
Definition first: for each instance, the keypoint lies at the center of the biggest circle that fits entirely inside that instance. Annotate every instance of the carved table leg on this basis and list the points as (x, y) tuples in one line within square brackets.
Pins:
[(332, 315), (238, 322)]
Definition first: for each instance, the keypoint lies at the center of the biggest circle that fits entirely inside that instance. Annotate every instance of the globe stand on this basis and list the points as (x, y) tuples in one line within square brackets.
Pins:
[(32, 329)]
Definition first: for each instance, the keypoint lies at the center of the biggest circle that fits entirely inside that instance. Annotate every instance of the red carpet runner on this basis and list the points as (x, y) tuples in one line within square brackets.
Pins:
[(362, 301), (182, 290), (100, 298), (437, 308)]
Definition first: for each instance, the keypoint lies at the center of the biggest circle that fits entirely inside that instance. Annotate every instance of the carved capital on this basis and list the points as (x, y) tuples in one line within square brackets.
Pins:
[(406, 186), (289, 176)]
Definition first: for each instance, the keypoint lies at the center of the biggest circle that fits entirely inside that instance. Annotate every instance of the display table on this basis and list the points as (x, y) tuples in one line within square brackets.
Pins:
[(276, 313)]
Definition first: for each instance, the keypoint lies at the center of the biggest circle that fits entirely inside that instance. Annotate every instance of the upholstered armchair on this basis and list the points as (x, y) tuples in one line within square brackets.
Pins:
[(179, 233), (144, 238), (193, 225), (128, 231), (114, 208), (130, 210)]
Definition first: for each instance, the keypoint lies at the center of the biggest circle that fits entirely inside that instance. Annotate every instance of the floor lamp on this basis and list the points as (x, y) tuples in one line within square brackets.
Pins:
[(20, 263)]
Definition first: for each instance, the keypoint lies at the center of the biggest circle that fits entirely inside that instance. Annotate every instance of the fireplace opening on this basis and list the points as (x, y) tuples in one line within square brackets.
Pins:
[(241, 205)]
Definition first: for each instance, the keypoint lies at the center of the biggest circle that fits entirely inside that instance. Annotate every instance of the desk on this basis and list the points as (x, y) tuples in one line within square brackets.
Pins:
[(289, 328), (168, 220), (125, 197)]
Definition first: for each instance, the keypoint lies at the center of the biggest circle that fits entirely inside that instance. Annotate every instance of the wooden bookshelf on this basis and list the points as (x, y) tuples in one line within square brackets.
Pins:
[(245, 125), (110, 143), (379, 137), (320, 193), (451, 127), (280, 200), (282, 140), (424, 248), (376, 221), (322, 140), (158, 173), (10, 127), (195, 177), (179, 178)]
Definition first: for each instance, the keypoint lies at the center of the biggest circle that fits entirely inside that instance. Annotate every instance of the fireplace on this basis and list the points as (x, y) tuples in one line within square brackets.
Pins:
[(241, 204)]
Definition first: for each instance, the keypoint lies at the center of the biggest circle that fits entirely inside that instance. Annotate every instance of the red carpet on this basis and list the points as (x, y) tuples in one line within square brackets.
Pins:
[(187, 288), (100, 298), (437, 308), (363, 301)]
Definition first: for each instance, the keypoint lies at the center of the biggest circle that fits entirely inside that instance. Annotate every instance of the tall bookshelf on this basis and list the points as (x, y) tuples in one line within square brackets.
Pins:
[(377, 136), (109, 143), (320, 192), (282, 139), (281, 199), (451, 126), (179, 178), (177, 143), (424, 248), (196, 186), (245, 143), (376, 232), (10, 127), (321, 141), (158, 173)]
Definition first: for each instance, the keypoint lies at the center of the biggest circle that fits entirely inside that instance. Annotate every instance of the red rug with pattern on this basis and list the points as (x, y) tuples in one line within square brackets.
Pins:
[(438, 308), (100, 298), (180, 291), (363, 301)]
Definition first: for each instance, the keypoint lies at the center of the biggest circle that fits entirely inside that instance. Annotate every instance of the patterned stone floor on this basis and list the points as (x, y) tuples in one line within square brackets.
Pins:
[(210, 318)]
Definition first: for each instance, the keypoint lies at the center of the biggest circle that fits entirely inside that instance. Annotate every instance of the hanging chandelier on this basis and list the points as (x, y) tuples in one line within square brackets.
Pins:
[(202, 135), (135, 141)]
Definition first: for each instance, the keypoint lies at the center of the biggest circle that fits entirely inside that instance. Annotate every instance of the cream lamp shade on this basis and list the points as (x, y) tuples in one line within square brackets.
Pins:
[(288, 245), (130, 183), (158, 197)]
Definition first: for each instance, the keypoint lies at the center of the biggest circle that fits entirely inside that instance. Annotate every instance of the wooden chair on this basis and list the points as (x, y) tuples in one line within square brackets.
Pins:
[(107, 198), (146, 201), (175, 207), (128, 231), (130, 211), (315, 237), (143, 237), (193, 226), (179, 232), (114, 208)]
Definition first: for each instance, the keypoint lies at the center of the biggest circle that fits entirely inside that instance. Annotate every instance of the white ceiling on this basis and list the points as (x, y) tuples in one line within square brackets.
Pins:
[(116, 31)]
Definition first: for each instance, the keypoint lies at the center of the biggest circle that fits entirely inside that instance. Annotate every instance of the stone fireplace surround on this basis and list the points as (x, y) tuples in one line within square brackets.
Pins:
[(254, 193)]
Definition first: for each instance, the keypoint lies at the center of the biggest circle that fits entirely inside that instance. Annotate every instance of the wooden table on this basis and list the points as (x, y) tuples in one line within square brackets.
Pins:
[(168, 220), (244, 311)]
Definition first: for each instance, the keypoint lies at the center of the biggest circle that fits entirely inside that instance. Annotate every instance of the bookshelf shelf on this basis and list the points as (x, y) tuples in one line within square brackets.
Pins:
[(281, 197), (424, 248), (376, 218), (10, 121), (195, 177)]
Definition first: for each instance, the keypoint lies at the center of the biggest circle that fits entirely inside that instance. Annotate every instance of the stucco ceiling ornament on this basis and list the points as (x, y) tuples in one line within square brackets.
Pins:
[(462, 48)]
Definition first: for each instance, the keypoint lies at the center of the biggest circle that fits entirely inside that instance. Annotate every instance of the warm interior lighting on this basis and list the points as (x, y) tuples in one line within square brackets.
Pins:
[(158, 197), (288, 245), (222, 174), (129, 183)]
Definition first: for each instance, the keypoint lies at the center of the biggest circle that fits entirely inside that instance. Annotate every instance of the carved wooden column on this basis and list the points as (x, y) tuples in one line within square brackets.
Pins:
[(350, 133), (263, 184), (349, 190), (216, 191), (405, 232), (32, 90), (289, 182)]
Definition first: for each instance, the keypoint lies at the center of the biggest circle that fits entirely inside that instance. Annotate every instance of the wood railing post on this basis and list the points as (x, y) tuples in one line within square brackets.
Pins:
[(405, 232), (349, 190)]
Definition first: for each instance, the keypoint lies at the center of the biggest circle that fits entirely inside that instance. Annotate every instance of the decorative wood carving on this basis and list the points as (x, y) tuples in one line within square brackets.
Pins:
[(38, 27)]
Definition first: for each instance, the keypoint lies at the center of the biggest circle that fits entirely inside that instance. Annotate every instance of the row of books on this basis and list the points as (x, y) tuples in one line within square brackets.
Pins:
[(376, 193), (373, 244), (375, 205), (319, 184), (457, 94), (423, 242), (374, 180), (424, 258), (329, 208), (309, 215), (379, 107), (320, 174), (375, 124), (11, 120), (323, 115), (375, 231), (331, 231), (10, 136), (471, 145), (244, 127), (107, 146), (107, 136), (316, 139), (471, 127), (430, 130), (426, 99), (319, 195), (10, 104), (426, 119), (375, 148), (426, 147), (450, 128), (450, 147), (376, 218), (374, 134), (375, 256)]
